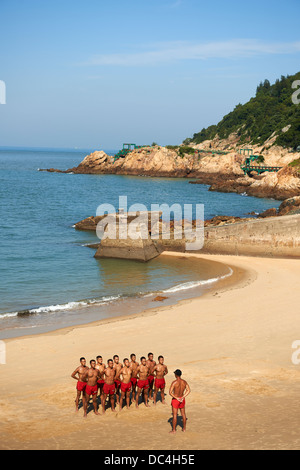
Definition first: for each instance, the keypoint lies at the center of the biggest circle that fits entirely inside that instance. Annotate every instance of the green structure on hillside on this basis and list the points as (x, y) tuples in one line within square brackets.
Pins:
[(127, 148)]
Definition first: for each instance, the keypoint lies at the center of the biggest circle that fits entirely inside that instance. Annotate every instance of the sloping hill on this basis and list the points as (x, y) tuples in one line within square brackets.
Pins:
[(270, 113)]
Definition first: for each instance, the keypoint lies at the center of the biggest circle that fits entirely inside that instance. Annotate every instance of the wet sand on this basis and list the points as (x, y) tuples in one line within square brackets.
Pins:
[(234, 346)]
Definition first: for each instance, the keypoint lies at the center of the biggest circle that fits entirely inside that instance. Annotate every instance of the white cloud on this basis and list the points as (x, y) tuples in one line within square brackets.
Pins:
[(182, 50)]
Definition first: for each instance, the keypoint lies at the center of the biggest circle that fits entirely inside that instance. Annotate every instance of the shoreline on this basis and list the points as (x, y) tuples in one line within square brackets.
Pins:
[(234, 278), (234, 346)]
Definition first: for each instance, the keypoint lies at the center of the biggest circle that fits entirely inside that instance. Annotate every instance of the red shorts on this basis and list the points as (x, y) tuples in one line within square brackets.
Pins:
[(176, 404), (117, 385), (151, 380), (160, 383), (91, 390), (81, 386), (125, 387), (133, 381), (100, 384), (143, 384), (109, 389)]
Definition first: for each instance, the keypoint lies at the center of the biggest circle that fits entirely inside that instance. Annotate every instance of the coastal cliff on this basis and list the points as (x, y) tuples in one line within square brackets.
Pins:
[(266, 128), (222, 171)]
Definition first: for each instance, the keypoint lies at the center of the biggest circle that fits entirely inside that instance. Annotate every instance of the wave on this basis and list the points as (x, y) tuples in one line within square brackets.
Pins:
[(193, 284), (60, 307), (105, 300)]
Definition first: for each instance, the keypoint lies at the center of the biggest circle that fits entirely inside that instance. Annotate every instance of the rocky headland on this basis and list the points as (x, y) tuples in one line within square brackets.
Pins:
[(221, 171)]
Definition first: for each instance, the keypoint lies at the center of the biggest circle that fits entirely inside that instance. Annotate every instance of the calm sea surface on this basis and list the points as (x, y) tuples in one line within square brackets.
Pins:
[(45, 266)]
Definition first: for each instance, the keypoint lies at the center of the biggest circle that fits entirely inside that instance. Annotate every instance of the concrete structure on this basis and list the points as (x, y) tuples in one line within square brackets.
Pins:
[(271, 237)]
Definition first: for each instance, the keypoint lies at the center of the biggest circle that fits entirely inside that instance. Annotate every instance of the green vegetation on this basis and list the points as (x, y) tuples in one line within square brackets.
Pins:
[(260, 159), (185, 150), (296, 164), (172, 147), (270, 111), (181, 150)]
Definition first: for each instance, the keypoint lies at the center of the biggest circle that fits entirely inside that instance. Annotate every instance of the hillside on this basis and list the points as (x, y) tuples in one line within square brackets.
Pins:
[(270, 115)]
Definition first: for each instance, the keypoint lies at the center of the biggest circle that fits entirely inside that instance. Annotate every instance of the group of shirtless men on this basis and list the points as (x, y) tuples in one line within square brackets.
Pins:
[(117, 381)]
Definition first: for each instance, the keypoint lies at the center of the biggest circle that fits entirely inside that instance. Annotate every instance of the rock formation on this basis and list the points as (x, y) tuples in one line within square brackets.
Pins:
[(222, 172)]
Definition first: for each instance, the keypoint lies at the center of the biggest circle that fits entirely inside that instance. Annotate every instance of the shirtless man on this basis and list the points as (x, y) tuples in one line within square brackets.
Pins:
[(160, 370), (151, 364), (92, 375), (100, 383), (179, 390), (81, 382), (142, 383), (109, 387), (126, 373), (117, 367), (134, 365)]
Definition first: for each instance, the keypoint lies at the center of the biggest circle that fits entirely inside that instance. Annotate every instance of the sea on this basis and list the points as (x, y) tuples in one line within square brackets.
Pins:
[(49, 278)]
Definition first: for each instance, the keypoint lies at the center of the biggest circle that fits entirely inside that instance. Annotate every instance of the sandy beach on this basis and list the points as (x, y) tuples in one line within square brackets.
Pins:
[(234, 346)]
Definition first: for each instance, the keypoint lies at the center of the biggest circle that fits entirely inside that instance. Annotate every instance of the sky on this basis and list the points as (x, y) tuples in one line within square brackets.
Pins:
[(95, 74)]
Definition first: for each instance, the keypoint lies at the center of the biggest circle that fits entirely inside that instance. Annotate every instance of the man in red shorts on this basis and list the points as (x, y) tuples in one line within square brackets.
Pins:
[(92, 375), (117, 367), (179, 390), (126, 373), (101, 368), (160, 370), (134, 365), (81, 383), (142, 383), (151, 364), (109, 387)]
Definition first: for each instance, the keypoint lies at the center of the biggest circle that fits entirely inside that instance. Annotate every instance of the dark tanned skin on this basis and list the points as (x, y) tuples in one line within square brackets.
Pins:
[(142, 373), (117, 367), (80, 371), (126, 373), (110, 375), (180, 390), (101, 368), (92, 375), (151, 364), (134, 366), (160, 370)]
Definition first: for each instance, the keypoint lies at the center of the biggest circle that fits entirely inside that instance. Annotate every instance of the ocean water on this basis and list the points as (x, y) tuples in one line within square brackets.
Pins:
[(45, 266)]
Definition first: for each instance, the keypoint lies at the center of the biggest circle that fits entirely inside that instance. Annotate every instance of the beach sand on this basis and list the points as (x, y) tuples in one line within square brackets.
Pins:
[(234, 346)]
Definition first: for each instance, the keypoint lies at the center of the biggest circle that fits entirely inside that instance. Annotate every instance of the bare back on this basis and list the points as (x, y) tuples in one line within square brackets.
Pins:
[(178, 388)]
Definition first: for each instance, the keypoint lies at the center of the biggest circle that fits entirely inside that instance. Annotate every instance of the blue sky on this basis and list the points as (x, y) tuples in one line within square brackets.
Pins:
[(96, 74)]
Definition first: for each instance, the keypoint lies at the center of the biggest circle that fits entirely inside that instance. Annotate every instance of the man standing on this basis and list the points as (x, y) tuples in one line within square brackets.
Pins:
[(100, 383), (92, 375), (151, 364), (142, 383), (81, 381), (126, 385), (117, 367), (109, 387), (134, 365), (179, 390), (160, 370)]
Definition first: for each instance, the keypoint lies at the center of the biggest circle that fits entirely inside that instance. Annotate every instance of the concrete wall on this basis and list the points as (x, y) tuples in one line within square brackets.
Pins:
[(272, 237)]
